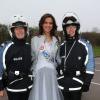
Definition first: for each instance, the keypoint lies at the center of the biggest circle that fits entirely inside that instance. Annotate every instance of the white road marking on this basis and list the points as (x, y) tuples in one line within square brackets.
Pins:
[(97, 70), (95, 83)]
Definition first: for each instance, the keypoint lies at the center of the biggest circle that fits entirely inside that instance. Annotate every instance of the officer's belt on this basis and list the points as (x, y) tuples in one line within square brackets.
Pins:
[(72, 73), (18, 73)]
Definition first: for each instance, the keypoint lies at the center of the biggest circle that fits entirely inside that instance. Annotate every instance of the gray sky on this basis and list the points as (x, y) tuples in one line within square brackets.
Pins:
[(87, 11)]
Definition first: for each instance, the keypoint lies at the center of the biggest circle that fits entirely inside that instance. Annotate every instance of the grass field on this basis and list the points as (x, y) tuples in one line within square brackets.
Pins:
[(96, 51)]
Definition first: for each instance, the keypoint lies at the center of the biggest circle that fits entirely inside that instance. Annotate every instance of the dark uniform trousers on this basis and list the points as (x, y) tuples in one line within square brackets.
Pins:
[(18, 96), (74, 95)]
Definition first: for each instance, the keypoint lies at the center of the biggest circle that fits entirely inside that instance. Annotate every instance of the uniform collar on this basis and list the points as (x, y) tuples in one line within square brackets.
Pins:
[(19, 42)]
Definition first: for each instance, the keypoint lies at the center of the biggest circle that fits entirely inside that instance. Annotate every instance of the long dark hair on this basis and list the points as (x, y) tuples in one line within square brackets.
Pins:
[(41, 22)]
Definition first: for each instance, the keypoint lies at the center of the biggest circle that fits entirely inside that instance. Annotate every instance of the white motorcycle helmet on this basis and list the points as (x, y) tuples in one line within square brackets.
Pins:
[(18, 21), (70, 18)]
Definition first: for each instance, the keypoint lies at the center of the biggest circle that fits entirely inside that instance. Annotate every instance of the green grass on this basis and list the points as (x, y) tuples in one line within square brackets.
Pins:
[(96, 51)]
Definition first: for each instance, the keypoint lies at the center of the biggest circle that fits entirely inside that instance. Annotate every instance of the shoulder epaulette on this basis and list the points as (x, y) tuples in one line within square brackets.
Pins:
[(63, 43), (4, 43)]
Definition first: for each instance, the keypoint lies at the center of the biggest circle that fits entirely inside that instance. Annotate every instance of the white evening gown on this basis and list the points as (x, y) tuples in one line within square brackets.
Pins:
[(45, 85)]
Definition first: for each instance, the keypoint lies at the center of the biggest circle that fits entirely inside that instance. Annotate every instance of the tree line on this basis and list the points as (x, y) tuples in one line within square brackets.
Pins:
[(93, 37)]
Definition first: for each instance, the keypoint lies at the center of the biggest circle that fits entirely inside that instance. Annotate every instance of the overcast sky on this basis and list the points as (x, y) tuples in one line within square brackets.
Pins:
[(87, 10)]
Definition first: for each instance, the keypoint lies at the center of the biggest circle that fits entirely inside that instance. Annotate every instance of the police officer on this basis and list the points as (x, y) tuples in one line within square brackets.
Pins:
[(16, 62), (77, 60)]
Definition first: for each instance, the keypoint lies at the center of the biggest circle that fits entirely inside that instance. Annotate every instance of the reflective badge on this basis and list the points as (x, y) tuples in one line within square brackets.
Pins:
[(78, 73), (79, 58), (61, 72), (17, 73)]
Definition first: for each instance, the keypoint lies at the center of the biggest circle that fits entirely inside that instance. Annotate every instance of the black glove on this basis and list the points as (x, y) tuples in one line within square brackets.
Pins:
[(85, 88), (4, 79), (87, 81), (1, 85)]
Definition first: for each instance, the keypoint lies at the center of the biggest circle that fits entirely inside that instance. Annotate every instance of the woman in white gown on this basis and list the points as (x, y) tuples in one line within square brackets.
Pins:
[(44, 54)]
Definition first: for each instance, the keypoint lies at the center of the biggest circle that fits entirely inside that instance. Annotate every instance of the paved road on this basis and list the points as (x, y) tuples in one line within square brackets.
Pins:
[(94, 93)]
